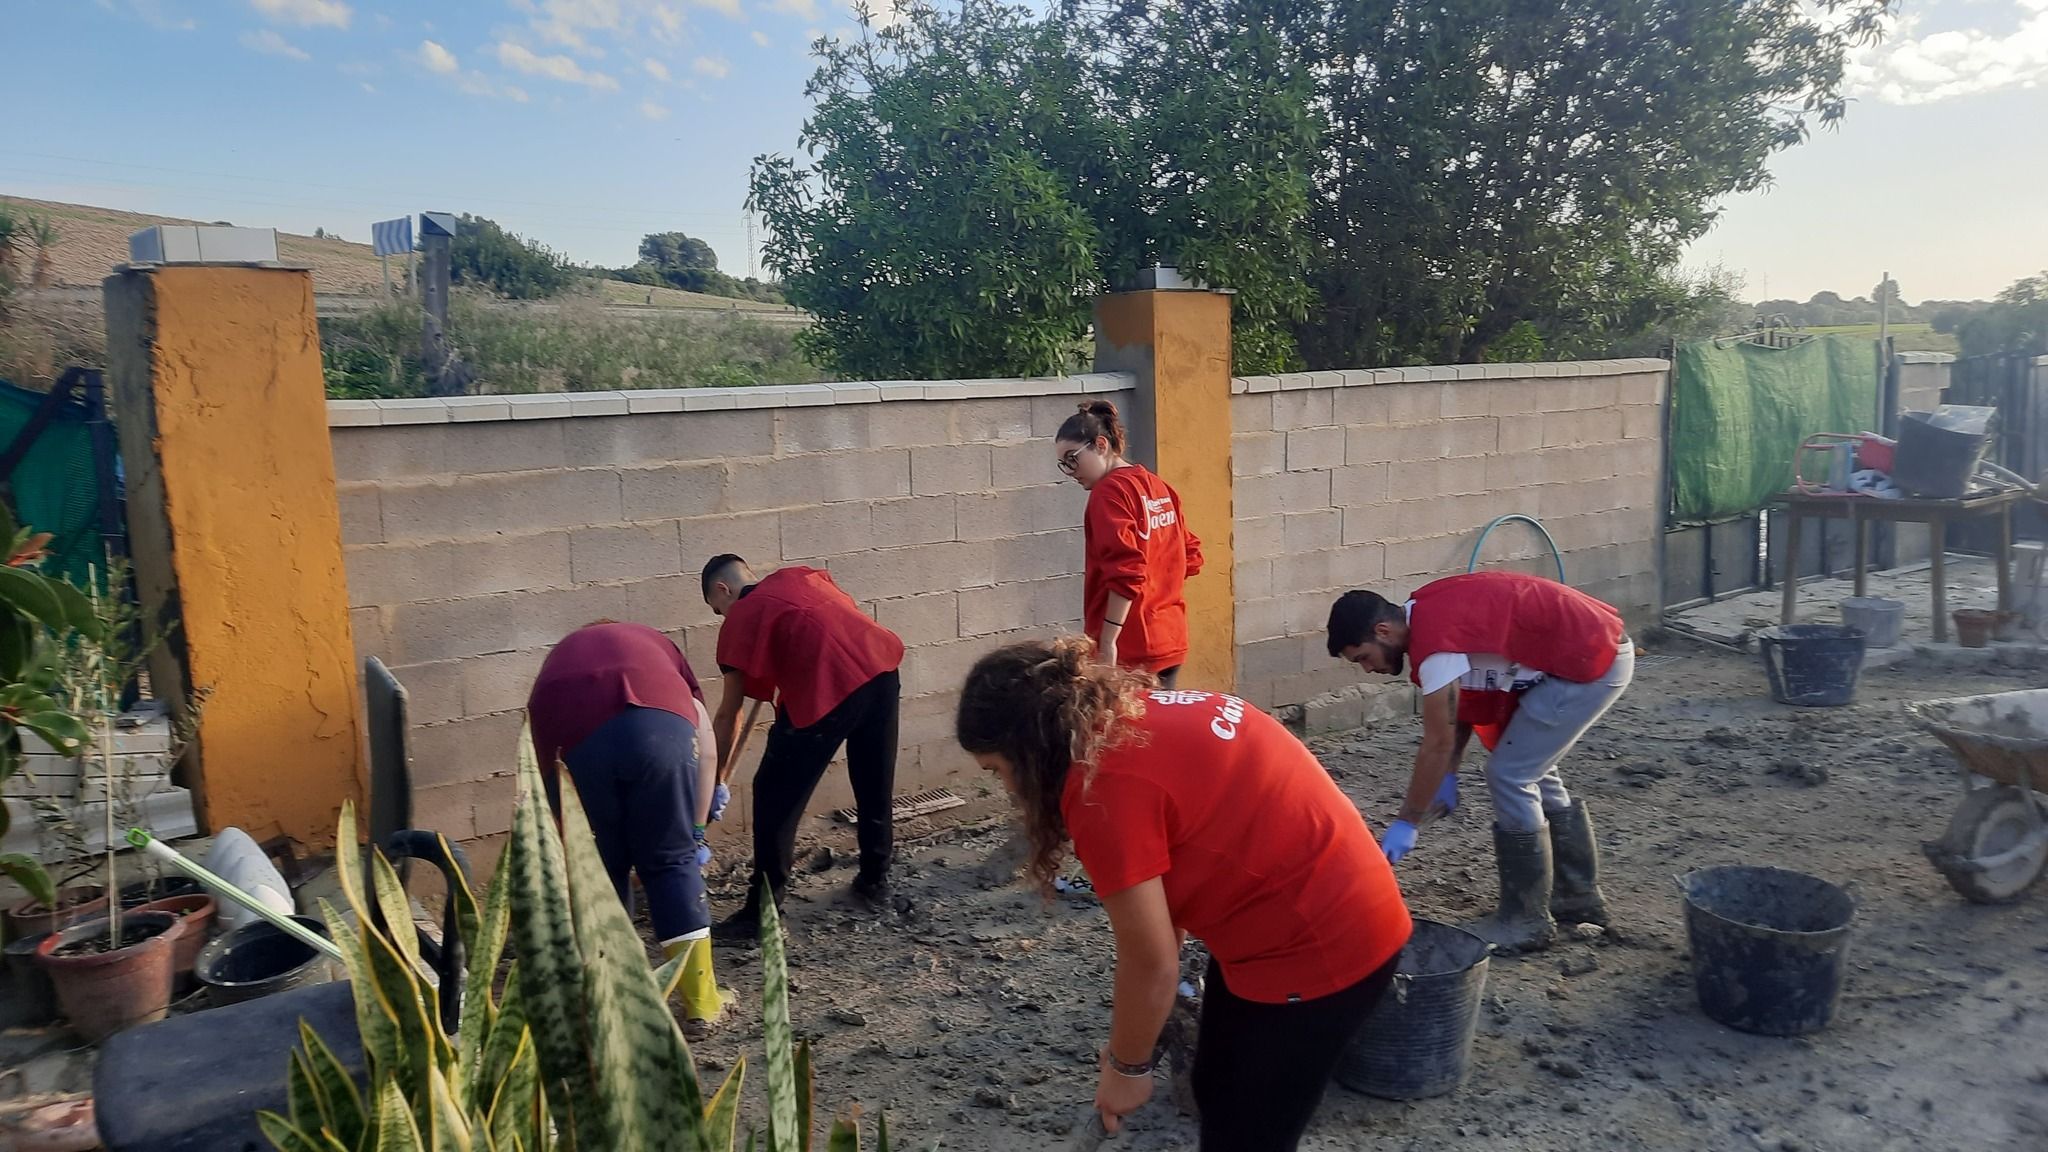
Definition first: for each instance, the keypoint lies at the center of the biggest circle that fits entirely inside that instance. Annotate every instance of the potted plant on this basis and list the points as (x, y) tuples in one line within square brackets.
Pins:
[(111, 973)]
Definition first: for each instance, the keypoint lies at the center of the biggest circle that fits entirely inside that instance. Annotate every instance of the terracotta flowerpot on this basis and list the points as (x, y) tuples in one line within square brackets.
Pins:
[(79, 902), (195, 915), (1974, 626), (103, 992)]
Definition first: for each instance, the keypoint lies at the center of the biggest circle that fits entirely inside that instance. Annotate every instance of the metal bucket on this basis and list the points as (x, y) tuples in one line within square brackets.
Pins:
[(1881, 620), (1418, 1042)]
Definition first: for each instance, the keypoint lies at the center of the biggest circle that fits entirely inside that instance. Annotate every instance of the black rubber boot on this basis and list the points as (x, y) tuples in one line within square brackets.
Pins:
[(1522, 923), (1575, 893), (744, 926)]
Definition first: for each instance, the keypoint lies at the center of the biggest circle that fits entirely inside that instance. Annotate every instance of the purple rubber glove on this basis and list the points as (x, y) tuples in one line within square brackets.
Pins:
[(703, 849), (1399, 840), (720, 797), (1446, 800)]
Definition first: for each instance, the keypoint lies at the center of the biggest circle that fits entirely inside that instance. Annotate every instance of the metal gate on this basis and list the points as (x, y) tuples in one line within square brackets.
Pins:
[(2005, 381)]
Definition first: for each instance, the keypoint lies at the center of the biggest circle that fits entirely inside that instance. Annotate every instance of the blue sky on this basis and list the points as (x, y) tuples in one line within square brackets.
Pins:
[(586, 123)]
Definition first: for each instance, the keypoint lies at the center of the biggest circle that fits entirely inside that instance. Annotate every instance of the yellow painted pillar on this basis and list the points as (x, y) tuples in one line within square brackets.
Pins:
[(1177, 342), (236, 536)]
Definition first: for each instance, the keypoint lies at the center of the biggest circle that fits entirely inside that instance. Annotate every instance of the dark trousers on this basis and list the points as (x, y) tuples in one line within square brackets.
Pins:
[(637, 778), (1169, 677), (1260, 1069), (796, 759)]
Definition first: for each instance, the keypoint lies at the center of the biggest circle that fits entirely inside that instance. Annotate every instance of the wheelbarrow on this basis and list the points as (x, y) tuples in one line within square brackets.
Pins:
[(1997, 841)]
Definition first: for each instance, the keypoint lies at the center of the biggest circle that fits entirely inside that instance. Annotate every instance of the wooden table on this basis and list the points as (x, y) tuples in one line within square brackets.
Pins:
[(1860, 511)]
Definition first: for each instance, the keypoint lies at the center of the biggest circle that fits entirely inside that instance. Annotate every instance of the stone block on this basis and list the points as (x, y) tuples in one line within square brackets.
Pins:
[(910, 423), (988, 419), (668, 437), (913, 520), (668, 603), (1311, 531), (1468, 398), (756, 536), (1507, 471), (1039, 555), (915, 569), (824, 428), (474, 749), (827, 530), (1251, 412), (796, 481), (1261, 537), (1309, 449), (1642, 422), (1285, 492), (1259, 453), (1367, 406), (1515, 397), (946, 468), (1000, 608), (1305, 571), (1366, 523), (1356, 566), (1521, 433), (941, 667), (1639, 458), (1023, 464), (929, 619), (1435, 556), (417, 451), (513, 502), (633, 552), (674, 491), (362, 514), (1359, 483), (366, 627), (1270, 659), (505, 622), (1581, 427), (403, 573), (500, 682), (1307, 408), (1263, 619), (1251, 579), (1416, 403), (1475, 436), (995, 515), (1595, 392)]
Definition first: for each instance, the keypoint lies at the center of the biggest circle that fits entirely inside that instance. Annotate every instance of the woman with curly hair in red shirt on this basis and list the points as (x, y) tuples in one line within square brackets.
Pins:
[(1196, 812)]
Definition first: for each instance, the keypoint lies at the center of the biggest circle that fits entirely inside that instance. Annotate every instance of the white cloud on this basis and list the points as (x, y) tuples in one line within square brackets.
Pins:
[(730, 8), (653, 111), (656, 69), (523, 59), (270, 43), (435, 58), (806, 9), (306, 13), (1908, 68), (477, 84), (154, 13), (760, 38), (712, 66), (370, 88)]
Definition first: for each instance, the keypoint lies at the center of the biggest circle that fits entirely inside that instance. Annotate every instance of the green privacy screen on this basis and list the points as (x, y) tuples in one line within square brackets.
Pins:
[(55, 488), (1739, 412)]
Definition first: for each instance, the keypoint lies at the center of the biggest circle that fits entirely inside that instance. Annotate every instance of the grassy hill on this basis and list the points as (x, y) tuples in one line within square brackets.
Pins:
[(91, 241), (1905, 337)]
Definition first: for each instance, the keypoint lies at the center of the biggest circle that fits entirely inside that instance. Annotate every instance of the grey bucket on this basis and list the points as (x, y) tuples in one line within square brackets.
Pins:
[(1418, 1042), (1769, 946), (1881, 620)]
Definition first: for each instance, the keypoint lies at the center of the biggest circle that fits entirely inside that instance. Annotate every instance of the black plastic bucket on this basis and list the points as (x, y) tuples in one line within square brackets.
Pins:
[(1418, 1042), (1812, 665), (260, 958), (1769, 947), (1937, 462)]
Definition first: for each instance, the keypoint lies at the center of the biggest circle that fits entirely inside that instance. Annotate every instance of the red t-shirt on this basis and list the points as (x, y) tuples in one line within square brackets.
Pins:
[(1138, 547), (1263, 858), (595, 673), (795, 633)]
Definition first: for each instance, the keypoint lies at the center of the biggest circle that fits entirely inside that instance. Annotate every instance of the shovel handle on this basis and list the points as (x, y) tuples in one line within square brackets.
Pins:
[(739, 743)]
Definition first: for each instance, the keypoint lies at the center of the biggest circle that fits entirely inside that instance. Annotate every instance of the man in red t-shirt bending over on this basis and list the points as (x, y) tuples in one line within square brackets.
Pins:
[(1488, 648), (794, 638)]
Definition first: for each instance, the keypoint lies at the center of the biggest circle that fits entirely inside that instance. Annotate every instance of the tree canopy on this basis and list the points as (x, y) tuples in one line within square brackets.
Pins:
[(485, 254), (1381, 182)]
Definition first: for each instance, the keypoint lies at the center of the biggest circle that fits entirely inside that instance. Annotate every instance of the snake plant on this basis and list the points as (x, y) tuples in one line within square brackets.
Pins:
[(576, 1050)]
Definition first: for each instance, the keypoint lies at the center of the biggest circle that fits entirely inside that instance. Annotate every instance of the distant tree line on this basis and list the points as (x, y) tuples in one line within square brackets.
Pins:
[(2015, 321), (484, 254)]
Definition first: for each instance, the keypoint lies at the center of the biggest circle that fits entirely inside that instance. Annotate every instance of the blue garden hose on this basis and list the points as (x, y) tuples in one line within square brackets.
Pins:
[(1532, 522)]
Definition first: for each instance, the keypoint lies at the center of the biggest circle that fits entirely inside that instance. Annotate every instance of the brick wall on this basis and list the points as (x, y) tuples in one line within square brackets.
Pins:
[(479, 530), (1383, 480)]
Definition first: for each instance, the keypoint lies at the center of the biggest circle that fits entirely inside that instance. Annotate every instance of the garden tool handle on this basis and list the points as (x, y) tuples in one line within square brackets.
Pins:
[(739, 742)]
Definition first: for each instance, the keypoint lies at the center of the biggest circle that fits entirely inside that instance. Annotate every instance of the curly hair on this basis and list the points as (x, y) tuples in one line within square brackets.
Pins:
[(1045, 706)]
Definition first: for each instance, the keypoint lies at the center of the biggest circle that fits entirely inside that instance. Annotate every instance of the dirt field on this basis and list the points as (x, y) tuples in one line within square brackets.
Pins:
[(93, 240), (974, 1016)]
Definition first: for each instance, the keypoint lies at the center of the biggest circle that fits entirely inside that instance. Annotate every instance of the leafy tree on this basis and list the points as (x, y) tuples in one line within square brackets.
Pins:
[(2017, 321), (485, 254)]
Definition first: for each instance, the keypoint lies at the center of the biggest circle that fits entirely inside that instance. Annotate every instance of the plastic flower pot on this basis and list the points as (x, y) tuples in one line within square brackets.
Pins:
[(196, 919), (104, 990), (79, 902)]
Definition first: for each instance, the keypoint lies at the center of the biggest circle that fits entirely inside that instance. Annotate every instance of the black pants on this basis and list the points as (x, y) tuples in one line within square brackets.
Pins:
[(1169, 677), (1260, 1069), (637, 778), (796, 759)]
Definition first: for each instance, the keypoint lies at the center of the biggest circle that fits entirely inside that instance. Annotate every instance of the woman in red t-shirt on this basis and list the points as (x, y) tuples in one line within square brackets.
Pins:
[(1194, 812), (1139, 552)]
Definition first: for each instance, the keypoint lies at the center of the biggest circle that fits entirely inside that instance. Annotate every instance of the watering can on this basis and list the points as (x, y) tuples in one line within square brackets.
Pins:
[(194, 1083)]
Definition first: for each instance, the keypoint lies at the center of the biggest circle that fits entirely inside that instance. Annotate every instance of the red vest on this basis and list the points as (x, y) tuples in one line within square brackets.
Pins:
[(1537, 623), (797, 635)]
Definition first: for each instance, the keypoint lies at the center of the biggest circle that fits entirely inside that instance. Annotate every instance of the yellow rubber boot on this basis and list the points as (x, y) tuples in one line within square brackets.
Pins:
[(704, 1002)]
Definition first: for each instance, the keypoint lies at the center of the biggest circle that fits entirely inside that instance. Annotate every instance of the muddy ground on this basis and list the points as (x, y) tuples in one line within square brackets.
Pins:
[(973, 1017)]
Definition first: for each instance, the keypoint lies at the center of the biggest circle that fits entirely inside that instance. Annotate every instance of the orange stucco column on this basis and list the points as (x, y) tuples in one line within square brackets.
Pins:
[(1177, 342), (236, 536)]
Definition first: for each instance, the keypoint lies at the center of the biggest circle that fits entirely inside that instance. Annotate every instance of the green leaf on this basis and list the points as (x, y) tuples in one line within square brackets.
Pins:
[(448, 1128), (722, 1116), (397, 1131), (882, 1131), (35, 596), (397, 909), (518, 1111), (344, 1103), (78, 610), (59, 729), (23, 870), (806, 1101), (284, 1137), (377, 1021), (782, 1087), (845, 1135), (308, 1111)]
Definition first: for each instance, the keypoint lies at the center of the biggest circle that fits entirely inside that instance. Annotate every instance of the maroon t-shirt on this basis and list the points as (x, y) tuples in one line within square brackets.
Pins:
[(597, 672)]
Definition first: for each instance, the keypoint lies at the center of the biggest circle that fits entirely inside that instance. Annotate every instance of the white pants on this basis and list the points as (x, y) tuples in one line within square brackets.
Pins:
[(1551, 716)]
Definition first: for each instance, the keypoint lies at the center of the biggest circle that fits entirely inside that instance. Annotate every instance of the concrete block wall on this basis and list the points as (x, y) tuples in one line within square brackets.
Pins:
[(1384, 479), (479, 530)]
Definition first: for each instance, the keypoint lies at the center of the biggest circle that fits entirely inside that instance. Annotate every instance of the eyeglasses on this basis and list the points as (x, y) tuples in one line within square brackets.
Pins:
[(1070, 460)]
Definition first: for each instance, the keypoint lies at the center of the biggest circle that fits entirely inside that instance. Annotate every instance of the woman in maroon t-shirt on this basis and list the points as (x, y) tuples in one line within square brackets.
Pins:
[(1196, 812)]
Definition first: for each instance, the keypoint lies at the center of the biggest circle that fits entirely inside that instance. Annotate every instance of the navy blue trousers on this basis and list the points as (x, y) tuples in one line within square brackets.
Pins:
[(637, 778)]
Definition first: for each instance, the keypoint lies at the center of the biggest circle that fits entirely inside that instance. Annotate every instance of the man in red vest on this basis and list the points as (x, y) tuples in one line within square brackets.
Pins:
[(1544, 661), (794, 638)]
